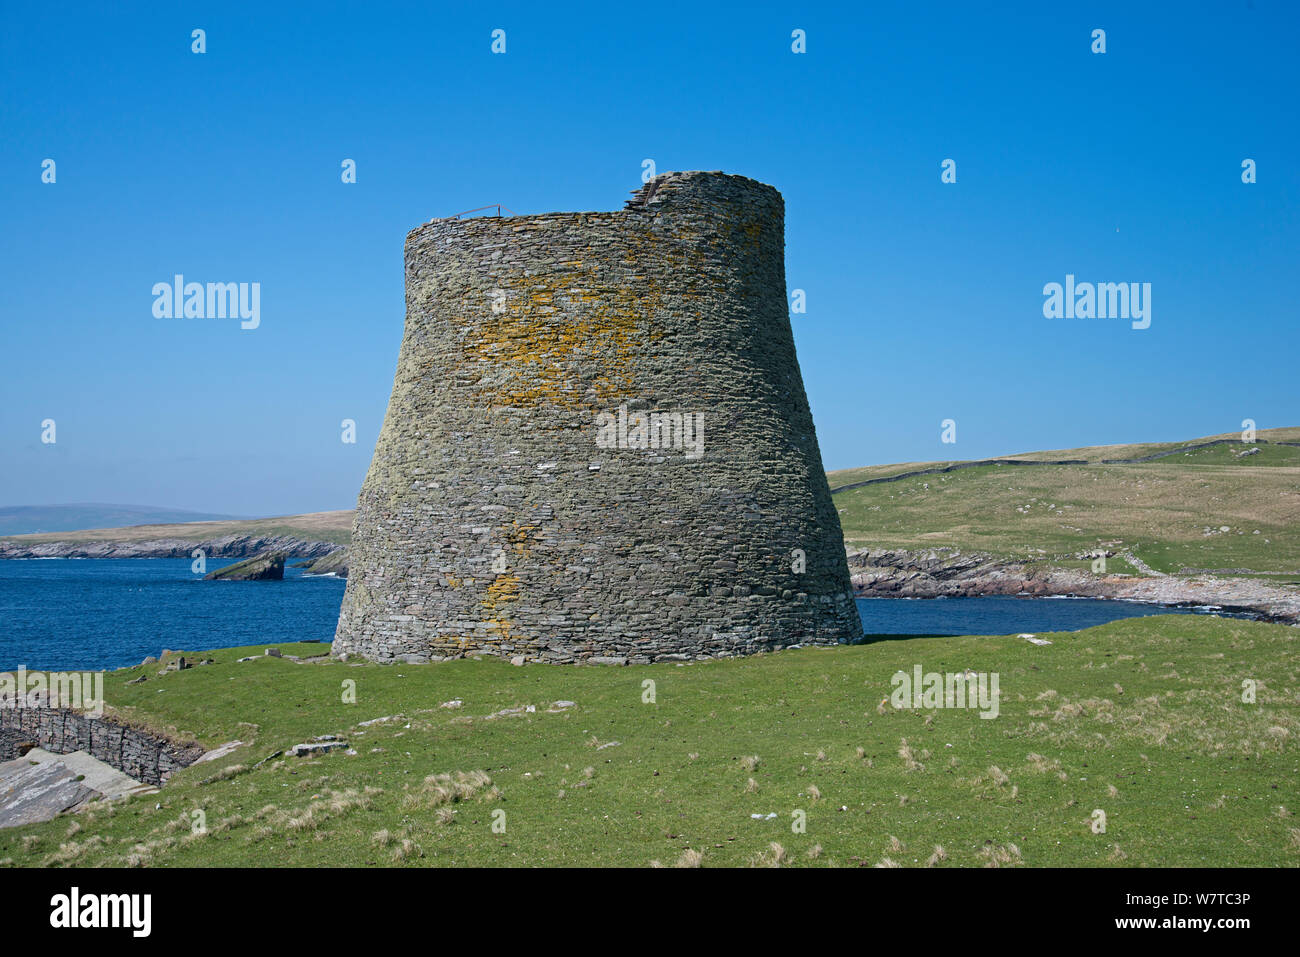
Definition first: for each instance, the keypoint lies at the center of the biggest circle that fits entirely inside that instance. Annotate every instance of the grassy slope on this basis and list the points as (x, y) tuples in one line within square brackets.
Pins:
[(315, 526), (1159, 509), (1092, 453), (1141, 718)]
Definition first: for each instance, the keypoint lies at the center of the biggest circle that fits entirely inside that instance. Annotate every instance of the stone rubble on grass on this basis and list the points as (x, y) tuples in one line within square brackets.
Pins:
[(312, 748), (181, 663), (383, 720), (220, 752), (269, 757)]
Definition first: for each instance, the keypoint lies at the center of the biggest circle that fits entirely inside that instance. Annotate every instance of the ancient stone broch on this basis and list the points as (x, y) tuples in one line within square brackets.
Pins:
[(536, 488)]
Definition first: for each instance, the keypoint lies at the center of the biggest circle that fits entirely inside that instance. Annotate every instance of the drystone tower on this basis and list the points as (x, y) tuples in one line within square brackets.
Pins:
[(598, 444)]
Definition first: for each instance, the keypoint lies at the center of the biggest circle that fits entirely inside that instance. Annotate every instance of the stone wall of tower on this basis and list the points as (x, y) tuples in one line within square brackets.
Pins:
[(508, 509)]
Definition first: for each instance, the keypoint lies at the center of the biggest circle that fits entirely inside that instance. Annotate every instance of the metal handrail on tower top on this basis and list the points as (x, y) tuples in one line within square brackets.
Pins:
[(497, 206)]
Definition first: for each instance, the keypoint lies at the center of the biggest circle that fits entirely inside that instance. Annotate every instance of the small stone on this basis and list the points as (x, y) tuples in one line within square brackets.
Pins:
[(316, 747)]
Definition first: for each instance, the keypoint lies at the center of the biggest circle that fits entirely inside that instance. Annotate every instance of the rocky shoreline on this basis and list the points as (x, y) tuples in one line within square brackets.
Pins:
[(946, 572), (229, 546), (875, 573)]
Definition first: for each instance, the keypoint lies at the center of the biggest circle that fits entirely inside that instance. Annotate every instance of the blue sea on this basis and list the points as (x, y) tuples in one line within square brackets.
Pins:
[(91, 613), (66, 614)]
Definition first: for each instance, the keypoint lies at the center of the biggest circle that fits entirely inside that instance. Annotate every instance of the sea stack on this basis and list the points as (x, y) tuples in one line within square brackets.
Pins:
[(598, 445), (268, 566)]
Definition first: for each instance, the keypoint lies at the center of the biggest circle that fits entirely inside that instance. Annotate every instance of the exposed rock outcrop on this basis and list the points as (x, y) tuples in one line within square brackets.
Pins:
[(31, 792), (933, 573), (269, 567), (335, 563)]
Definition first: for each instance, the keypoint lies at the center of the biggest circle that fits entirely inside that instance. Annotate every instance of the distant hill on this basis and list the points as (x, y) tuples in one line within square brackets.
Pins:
[(306, 536), (36, 519)]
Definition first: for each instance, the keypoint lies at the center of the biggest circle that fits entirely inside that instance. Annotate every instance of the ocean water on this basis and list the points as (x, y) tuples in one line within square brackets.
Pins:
[(69, 613), (1000, 615), (66, 614)]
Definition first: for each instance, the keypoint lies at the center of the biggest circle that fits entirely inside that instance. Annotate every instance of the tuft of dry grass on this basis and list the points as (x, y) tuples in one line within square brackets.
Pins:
[(440, 790), (906, 752), (408, 850), (690, 858), (774, 856), (225, 774), (1000, 855), (1041, 764)]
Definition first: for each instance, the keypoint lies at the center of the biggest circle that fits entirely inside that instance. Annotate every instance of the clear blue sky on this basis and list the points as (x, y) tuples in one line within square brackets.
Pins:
[(924, 299)]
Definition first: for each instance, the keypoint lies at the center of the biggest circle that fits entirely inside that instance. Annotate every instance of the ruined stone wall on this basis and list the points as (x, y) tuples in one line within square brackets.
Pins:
[(492, 520), (143, 756)]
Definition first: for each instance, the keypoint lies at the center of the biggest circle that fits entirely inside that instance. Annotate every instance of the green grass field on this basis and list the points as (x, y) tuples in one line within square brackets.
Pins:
[(1142, 719), (1169, 512)]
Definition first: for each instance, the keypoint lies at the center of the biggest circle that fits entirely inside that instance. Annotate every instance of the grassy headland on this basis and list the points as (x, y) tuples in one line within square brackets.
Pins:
[(1142, 719), (312, 526), (1170, 512)]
